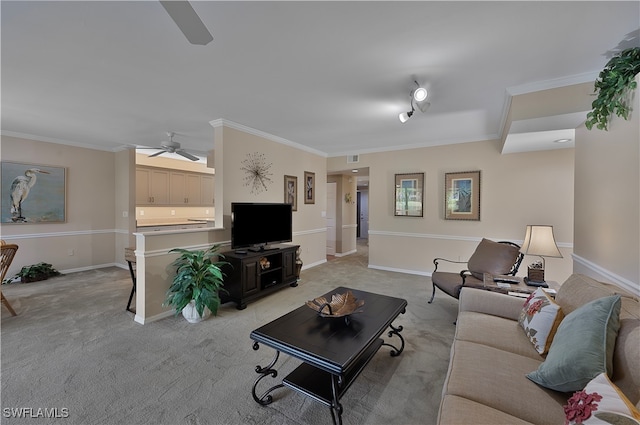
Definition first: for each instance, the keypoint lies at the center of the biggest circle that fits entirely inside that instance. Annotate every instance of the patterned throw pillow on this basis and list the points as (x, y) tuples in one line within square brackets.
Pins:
[(540, 318), (601, 402)]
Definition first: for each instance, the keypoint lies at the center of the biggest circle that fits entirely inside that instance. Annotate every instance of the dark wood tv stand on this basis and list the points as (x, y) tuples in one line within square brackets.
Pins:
[(246, 280)]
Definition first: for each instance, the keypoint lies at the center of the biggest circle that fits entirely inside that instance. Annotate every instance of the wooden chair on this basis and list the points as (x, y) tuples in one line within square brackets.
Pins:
[(496, 258), (8, 252)]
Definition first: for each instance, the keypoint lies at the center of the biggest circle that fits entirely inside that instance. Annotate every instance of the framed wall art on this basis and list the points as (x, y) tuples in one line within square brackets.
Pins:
[(291, 191), (462, 196), (309, 187), (33, 193), (409, 193)]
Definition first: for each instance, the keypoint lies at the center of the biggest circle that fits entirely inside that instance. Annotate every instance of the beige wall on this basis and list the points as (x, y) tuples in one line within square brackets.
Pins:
[(89, 232), (516, 190), (607, 201), (309, 226)]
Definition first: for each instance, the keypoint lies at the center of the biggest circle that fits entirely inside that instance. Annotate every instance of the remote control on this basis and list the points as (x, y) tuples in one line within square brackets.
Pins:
[(505, 279)]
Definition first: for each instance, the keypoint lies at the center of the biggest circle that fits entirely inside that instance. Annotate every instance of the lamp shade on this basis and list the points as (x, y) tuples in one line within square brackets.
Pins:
[(539, 240)]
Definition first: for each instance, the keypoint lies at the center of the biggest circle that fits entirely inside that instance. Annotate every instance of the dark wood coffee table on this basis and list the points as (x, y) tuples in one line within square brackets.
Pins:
[(333, 351)]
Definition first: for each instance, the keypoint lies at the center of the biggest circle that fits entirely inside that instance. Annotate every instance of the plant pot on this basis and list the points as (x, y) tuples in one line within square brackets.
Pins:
[(191, 314), (36, 278)]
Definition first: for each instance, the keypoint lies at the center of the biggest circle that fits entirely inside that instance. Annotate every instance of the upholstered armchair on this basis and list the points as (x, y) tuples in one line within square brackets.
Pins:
[(497, 258)]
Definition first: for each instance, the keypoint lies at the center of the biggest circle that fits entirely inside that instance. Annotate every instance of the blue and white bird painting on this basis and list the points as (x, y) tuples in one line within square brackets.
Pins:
[(32, 194)]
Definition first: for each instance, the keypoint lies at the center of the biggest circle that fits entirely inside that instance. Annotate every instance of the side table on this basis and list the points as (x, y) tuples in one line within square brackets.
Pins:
[(519, 289)]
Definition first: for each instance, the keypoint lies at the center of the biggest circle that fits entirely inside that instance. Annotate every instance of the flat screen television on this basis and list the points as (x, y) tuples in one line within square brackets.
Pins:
[(257, 225)]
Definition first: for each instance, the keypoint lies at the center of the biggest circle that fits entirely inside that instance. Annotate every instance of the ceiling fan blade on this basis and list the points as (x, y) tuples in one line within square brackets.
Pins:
[(188, 21), (187, 155), (156, 154)]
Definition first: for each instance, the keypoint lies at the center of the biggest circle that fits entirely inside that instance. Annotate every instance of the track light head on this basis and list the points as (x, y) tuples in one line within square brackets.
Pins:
[(404, 117), (420, 94)]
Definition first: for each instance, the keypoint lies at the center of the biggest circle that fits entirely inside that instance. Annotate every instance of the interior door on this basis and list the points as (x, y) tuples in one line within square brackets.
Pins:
[(331, 218)]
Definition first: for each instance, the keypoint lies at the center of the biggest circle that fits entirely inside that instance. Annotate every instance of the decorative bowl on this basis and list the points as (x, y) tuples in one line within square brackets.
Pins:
[(340, 305)]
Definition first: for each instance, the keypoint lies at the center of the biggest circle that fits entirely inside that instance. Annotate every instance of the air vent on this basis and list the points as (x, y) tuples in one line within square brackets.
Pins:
[(352, 158)]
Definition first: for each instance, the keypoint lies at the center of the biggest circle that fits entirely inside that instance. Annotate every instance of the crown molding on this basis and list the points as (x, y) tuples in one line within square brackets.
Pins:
[(221, 122)]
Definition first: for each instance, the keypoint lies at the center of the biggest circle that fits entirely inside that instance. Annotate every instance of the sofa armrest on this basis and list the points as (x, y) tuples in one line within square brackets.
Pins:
[(492, 303)]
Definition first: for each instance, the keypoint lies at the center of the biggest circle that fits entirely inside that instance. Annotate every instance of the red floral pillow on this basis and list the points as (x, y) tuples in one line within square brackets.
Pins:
[(540, 318), (601, 402)]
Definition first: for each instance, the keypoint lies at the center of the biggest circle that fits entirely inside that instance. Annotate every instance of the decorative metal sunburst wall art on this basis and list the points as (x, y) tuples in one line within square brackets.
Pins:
[(258, 172)]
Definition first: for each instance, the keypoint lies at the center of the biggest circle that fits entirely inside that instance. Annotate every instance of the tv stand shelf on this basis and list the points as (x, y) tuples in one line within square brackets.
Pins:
[(251, 275)]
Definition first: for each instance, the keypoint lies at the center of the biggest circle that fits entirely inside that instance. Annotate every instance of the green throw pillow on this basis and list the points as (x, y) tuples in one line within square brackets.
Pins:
[(582, 347)]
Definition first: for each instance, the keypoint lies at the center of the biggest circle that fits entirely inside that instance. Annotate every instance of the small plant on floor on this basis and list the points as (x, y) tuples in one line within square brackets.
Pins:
[(199, 278), (35, 272)]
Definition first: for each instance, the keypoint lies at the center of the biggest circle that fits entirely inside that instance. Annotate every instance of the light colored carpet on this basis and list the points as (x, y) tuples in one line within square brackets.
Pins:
[(74, 348)]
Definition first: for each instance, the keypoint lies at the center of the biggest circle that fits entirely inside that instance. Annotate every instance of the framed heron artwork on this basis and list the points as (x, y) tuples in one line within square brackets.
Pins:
[(32, 193)]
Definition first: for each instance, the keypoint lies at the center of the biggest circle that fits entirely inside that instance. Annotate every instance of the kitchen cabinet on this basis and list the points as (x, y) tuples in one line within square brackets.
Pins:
[(185, 188), (152, 186), (207, 190), (159, 186)]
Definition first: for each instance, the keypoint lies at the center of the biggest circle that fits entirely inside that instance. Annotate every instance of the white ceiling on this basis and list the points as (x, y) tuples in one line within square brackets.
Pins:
[(330, 76)]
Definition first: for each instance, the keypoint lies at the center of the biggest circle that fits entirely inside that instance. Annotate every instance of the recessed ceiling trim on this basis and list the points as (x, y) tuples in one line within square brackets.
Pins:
[(224, 122), (62, 142), (392, 148), (554, 83)]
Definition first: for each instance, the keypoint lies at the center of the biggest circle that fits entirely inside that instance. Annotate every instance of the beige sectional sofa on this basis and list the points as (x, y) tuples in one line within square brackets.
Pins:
[(491, 356)]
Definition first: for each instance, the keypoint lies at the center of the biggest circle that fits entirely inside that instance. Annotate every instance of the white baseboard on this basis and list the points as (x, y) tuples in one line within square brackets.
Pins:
[(317, 263), (163, 315), (584, 266), (392, 269), (342, 254), (93, 267)]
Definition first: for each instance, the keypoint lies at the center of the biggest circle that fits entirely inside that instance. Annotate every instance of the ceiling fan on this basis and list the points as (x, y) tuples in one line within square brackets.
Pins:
[(188, 21), (173, 147)]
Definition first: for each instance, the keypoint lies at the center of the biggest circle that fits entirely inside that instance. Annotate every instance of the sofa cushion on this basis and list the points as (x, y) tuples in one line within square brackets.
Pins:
[(493, 331), (457, 410), (582, 348), (495, 378), (599, 401), (540, 317), (492, 257)]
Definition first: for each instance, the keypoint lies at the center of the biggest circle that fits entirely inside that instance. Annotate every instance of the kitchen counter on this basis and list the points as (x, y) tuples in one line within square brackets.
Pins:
[(155, 222)]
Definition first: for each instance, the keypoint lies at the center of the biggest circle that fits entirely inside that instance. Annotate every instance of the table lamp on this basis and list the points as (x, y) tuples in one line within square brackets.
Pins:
[(539, 240)]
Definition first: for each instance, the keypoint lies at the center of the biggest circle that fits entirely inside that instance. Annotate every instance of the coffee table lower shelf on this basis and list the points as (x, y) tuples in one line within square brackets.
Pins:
[(317, 383)]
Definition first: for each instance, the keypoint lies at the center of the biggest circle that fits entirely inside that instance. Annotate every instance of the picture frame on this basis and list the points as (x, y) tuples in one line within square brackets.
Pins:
[(462, 196), (33, 193), (309, 187), (409, 195), (291, 191)]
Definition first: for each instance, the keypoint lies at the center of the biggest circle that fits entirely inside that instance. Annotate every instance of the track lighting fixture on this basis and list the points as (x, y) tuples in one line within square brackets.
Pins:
[(419, 97), (404, 117), (420, 94)]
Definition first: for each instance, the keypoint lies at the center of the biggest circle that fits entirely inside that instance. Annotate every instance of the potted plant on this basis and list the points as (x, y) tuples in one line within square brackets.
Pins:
[(613, 86), (198, 281), (36, 272)]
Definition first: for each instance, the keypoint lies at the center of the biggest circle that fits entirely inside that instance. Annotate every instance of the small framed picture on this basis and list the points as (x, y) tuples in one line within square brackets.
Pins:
[(409, 191), (291, 191), (462, 196), (309, 187)]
